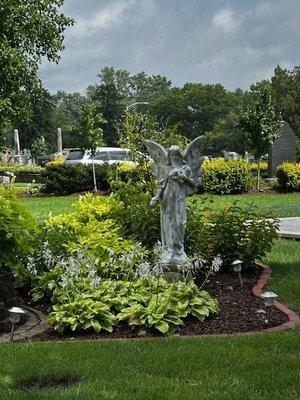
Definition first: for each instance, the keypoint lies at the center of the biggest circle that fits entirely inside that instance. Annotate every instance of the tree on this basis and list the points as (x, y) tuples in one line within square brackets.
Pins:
[(195, 107), (66, 115), (90, 133), (286, 90), (41, 121), (29, 31), (260, 122), (110, 104)]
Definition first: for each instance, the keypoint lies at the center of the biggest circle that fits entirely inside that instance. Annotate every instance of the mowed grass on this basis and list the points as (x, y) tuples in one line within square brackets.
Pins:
[(284, 259), (276, 205), (247, 367), (43, 207), (261, 367)]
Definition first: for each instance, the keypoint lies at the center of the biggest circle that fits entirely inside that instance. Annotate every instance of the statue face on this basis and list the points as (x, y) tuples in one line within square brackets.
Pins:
[(175, 155)]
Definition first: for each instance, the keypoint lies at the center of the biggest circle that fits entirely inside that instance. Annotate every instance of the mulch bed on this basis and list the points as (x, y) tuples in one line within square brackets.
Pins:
[(240, 311)]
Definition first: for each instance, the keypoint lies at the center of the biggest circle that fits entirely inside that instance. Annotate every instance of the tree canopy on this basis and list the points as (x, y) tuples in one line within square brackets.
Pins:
[(29, 31)]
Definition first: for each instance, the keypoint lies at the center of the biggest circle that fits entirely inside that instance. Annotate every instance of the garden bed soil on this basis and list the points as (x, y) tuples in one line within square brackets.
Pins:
[(240, 311)]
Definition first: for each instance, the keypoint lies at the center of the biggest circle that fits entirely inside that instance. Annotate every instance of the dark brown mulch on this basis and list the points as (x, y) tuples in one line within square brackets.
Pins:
[(240, 311), (5, 326)]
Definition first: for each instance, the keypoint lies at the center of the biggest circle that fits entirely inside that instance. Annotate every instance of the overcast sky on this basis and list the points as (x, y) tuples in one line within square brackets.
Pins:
[(234, 42)]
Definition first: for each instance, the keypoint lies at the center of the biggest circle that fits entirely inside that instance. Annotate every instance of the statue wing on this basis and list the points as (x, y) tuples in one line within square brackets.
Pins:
[(159, 156), (193, 155)]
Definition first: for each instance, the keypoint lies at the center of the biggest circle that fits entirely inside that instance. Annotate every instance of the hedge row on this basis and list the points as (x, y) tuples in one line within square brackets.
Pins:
[(226, 177), (67, 179), (288, 175), (20, 168)]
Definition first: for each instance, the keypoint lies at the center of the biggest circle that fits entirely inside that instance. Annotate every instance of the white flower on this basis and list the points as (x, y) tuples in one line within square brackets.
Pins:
[(216, 263), (143, 270), (96, 281), (51, 285)]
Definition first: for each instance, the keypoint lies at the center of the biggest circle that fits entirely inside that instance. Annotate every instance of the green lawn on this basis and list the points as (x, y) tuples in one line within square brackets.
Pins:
[(284, 260), (247, 367), (264, 367), (279, 205), (42, 207)]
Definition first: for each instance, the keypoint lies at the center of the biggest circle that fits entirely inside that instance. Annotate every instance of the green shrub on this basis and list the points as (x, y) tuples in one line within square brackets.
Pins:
[(66, 179), (133, 213), (20, 169), (288, 175), (232, 232), (226, 177), (17, 230)]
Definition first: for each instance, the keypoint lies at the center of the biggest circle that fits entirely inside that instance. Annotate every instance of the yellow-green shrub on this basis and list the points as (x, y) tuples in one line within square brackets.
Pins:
[(225, 177), (288, 175), (263, 166)]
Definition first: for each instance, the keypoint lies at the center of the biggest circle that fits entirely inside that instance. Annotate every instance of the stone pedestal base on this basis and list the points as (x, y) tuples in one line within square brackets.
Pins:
[(172, 272)]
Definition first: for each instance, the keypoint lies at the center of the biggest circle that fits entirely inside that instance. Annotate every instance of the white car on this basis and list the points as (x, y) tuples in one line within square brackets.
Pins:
[(108, 155)]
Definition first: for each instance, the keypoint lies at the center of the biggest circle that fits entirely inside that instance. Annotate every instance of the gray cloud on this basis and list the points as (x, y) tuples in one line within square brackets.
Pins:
[(232, 42)]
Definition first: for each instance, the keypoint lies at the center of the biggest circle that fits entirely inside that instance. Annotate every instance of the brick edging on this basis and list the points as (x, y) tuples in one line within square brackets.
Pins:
[(293, 317)]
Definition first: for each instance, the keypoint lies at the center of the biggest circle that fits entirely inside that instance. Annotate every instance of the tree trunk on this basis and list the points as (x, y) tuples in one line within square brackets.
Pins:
[(94, 175), (258, 174), (7, 291)]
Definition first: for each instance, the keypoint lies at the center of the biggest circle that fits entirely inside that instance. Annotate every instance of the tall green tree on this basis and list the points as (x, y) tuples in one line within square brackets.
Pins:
[(66, 115), (196, 107), (29, 31), (41, 121), (260, 122), (286, 89), (91, 135), (110, 104)]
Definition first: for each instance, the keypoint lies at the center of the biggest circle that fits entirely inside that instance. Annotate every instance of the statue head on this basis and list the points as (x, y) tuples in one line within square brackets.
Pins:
[(175, 155)]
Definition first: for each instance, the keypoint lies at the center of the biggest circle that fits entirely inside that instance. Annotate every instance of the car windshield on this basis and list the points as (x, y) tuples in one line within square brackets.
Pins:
[(117, 155), (75, 155), (101, 156)]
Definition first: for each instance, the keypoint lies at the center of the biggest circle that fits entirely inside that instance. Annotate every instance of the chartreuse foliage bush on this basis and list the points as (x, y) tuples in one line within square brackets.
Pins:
[(288, 175), (66, 179), (144, 303), (90, 229), (17, 230), (20, 169), (233, 232), (226, 177)]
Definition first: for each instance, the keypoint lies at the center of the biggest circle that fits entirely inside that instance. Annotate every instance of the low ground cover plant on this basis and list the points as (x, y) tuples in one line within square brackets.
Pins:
[(148, 303), (288, 175)]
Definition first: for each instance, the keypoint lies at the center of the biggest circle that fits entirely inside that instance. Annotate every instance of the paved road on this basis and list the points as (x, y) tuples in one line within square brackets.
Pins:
[(290, 227)]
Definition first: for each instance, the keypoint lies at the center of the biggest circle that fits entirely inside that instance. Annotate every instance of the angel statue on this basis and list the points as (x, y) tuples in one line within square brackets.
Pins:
[(178, 174)]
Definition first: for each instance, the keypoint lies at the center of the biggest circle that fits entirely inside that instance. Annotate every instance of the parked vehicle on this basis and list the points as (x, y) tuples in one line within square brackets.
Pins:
[(109, 155)]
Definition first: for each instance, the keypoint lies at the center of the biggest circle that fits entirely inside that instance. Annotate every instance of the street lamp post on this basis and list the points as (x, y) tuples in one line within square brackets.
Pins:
[(145, 103)]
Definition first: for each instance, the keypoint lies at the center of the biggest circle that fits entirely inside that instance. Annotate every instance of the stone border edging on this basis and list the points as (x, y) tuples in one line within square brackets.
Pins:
[(34, 325), (293, 317)]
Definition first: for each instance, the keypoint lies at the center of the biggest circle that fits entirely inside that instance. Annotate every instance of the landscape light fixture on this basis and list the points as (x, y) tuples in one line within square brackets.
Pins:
[(14, 316), (269, 298), (237, 267)]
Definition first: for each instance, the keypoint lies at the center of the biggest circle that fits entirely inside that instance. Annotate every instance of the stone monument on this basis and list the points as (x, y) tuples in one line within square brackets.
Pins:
[(59, 142), (178, 174), (283, 149)]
